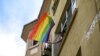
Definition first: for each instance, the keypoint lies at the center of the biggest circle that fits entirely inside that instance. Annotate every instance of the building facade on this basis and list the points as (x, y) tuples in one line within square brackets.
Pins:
[(77, 23)]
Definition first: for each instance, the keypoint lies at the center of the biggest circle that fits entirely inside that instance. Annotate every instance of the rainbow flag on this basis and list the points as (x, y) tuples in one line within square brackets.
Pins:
[(41, 30)]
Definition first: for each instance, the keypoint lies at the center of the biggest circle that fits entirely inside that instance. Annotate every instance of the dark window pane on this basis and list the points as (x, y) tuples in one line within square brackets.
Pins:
[(35, 42), (55, 5), (69, 13), (79, 52)]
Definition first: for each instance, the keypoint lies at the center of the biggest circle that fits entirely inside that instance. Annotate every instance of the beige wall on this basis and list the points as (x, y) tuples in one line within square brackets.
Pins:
[(91, 47), (82, 22)]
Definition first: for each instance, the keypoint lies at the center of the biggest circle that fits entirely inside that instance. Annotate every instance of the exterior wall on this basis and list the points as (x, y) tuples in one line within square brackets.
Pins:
[(82, 22), (91, 47)]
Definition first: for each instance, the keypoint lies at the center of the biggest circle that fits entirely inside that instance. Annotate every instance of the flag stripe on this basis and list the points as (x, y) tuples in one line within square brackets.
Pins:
[(42, 29), (34, 30)]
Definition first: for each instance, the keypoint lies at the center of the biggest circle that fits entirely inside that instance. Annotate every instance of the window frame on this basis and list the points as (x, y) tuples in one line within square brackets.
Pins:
[(69, 25), (74, 5), (55, 5), (67, 31)]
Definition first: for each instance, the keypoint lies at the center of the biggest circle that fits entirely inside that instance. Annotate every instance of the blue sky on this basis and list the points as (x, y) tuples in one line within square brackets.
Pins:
[(14, 14)]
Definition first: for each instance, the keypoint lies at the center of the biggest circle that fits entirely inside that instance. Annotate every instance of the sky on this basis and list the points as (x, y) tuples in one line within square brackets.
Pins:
[(14, 14)]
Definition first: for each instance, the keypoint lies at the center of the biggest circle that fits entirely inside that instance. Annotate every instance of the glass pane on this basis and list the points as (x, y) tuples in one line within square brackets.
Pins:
[(69, 13), (73, 4), (55, 5), (35, 42)]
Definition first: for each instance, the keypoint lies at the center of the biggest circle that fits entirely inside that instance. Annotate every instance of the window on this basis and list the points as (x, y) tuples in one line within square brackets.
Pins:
[(73, 4), (55, 5), (35, 42), (32, 44), (67, 16), (66, 19), (63, 27), (65, 23)]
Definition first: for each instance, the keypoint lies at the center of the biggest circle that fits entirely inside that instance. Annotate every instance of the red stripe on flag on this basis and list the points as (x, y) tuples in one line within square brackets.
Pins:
[(35, 28)]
